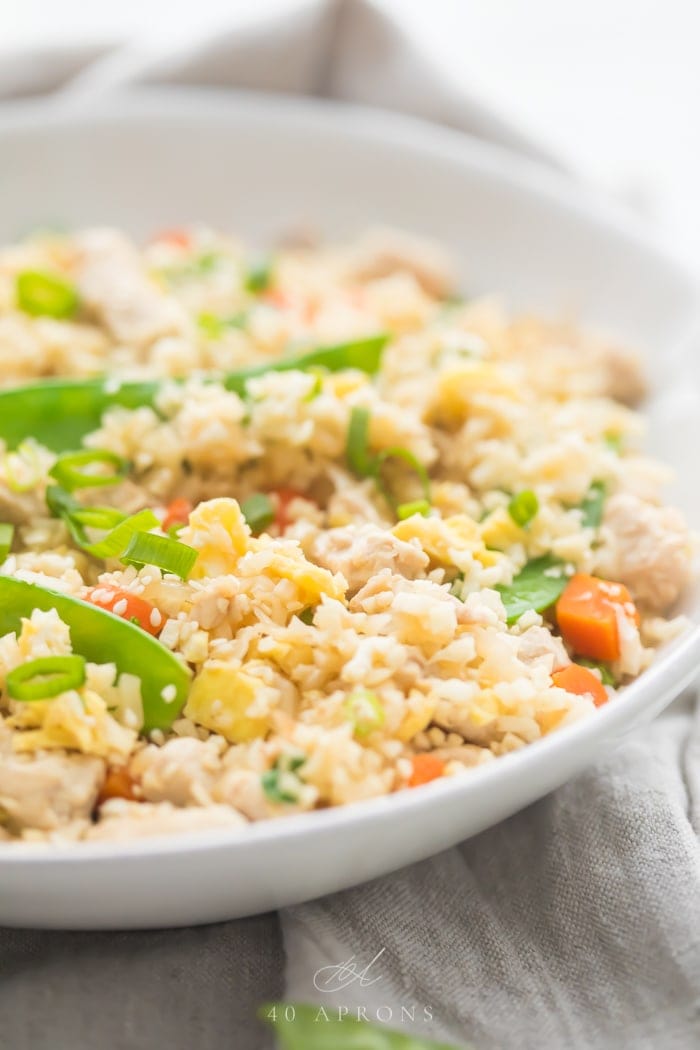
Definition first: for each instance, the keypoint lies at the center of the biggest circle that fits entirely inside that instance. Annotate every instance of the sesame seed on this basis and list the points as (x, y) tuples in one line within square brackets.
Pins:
[(156, 618), (120, 607)]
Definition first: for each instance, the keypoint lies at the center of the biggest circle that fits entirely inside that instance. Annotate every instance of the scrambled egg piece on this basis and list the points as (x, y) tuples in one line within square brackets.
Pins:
[(450, 541), (219, 700), (75, 721), (500, 531), (455, 389), (218, 530), (220, 533)]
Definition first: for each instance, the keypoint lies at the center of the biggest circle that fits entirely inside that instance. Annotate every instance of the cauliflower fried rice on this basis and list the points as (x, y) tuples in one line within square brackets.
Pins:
[(336, 531)]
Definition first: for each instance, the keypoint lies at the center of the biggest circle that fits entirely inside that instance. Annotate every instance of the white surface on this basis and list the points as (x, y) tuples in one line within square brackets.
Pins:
[(612, 86), (511, 226)]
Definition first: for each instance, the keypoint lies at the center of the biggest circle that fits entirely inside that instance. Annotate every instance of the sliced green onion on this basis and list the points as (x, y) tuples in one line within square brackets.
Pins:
[(196, 266), (523, 507), (407, 510), (258, 510), (98, 517), (365, 711), (593, 505), (259, 277), (281, 783), (615, 442), (357, 443), (168, 555), (317, 386), (398, 452), (214, 327), (7, 532), (46, 677), (45, 294), (69, 475), (115, 542)]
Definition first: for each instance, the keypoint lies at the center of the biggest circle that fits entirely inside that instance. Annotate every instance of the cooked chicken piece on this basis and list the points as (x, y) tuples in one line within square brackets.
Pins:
[(121, 820), (537, 645), (114, 285), (646, 547), (18, 508), (182, 771), (49, 790), (242, 788), (383, 252), (361, 551), (624, 376)]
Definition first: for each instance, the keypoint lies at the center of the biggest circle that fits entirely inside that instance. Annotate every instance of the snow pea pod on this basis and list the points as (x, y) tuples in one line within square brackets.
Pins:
[(58, 413), (102, 637)]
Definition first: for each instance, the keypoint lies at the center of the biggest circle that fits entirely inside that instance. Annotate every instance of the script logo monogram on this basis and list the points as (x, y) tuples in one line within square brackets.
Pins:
[(335, 978)]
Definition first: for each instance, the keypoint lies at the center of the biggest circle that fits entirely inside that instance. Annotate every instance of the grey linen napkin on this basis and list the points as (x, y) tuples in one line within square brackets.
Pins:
[(574, 924)]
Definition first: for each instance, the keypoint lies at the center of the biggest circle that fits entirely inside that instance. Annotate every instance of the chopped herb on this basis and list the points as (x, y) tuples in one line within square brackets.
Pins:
[(536, 587), (523, 507), (307, 615), (281, 783)]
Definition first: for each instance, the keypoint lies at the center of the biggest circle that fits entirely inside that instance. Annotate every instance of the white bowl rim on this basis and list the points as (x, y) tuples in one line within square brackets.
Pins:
[(672, 671)]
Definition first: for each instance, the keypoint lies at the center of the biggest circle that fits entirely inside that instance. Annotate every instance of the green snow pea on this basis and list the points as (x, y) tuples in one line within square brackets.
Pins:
[(58, 413), (101, 637)]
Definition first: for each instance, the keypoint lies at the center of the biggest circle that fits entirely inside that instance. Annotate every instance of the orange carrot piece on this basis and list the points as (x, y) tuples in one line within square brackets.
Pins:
[(587, 618), (118, 783), (129, 606), (177, 513), (581, 681), (180, 238), (425, 768)]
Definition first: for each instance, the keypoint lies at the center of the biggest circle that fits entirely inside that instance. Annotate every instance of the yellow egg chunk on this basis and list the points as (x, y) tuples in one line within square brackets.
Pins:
[(218, 530), (455, 389), (219, 700), (446, 541), (311, 581), (76, 721), (499, 530)]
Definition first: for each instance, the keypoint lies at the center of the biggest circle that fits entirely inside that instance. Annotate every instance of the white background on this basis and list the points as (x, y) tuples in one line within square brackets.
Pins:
[(612, 86)]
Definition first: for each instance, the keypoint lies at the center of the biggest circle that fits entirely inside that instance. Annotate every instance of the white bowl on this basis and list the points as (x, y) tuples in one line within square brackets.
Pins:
[(259, 165)]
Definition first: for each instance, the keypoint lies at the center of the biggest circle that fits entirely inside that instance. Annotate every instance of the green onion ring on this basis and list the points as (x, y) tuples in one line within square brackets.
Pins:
[(168, 555), (66, 470), (46, 677)]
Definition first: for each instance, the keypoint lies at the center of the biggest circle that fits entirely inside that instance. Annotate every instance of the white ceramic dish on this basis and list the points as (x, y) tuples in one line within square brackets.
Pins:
[(260, 165)]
